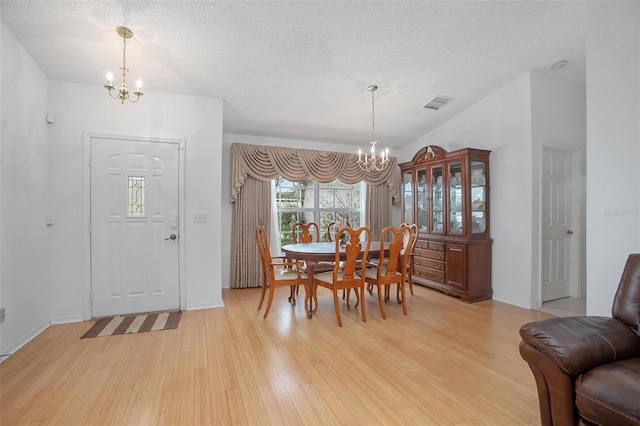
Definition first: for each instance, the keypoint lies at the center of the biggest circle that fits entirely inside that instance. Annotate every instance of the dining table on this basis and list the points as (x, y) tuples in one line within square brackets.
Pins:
[(316, 252)]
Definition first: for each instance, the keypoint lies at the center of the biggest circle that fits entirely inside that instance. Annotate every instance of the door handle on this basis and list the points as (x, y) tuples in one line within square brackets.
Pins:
[(171, 237), (569, 232)]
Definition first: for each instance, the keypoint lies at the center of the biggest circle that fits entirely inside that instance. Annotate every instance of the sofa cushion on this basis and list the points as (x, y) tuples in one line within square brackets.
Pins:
[(610, 393)]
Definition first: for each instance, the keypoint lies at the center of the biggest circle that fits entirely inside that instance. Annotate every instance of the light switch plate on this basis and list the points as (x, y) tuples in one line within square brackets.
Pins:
[(200, 218)]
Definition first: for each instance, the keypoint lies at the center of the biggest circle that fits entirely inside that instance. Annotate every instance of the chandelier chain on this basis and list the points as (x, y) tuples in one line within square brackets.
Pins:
[(124, 53), (373, 115)]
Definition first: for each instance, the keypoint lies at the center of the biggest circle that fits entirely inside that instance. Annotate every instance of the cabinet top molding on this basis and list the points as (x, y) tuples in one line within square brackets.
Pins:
[(434, 153)]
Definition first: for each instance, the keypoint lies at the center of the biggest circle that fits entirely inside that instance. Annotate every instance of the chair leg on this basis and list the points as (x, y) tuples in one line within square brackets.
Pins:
[(336, 307), (380, 302), (404, 299), (266, 312), (411, 280), (264, 290), (357, 292), (292, 294), (361, 299)]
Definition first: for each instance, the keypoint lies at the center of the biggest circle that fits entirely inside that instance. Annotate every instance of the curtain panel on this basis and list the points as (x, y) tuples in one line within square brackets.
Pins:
[(252, 208), (254, 166)]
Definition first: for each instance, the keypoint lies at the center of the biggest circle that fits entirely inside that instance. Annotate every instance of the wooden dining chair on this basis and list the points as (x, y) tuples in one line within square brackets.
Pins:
[(331, 229), (305, 233), (391, 268), (409, 258), (351, 274), (277, 271)]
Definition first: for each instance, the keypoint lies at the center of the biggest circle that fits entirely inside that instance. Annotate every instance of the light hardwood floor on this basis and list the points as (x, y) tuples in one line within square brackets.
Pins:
[(446, 363)]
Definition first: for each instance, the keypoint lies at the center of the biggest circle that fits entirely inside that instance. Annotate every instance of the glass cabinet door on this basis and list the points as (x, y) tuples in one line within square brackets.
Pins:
[(407, 193), (478, 197), (422, 199), (456, 201), (437, 202)]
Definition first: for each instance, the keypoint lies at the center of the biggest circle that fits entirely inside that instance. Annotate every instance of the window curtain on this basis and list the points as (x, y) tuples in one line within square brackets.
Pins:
[(251, 163), (378, 209), (252, 207)]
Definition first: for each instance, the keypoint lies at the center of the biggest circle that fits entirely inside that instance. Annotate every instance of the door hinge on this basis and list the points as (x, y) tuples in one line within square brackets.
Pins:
[(89, 228)]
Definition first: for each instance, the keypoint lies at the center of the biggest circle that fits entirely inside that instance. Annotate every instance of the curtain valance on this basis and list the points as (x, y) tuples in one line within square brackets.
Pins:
[(296, 165)]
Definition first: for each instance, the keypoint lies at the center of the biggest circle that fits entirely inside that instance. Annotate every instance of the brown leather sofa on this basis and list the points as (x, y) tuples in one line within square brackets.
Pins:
[(587, 369)]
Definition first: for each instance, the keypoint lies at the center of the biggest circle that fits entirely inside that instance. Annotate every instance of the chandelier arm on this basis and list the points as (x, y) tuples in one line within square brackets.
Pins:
[(111, 94)]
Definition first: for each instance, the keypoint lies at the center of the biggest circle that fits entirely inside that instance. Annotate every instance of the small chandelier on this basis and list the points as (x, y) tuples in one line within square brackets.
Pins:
[(373, 162), (122, 92)]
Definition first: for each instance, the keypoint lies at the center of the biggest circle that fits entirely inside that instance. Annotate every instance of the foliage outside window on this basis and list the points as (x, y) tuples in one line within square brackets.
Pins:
[(322, 203)]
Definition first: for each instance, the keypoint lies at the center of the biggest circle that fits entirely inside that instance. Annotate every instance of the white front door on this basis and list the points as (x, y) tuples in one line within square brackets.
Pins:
[(134, 226), (556, 224)]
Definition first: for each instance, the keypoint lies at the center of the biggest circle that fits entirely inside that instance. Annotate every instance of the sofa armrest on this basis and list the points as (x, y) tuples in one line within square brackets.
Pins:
[(577, 344)]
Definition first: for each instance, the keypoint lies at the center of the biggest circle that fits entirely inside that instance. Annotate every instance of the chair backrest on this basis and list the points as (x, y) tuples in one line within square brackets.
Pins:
[(304, 233), (410, 243), (392, 269), (626, 303), (332, 229), (357, 247)]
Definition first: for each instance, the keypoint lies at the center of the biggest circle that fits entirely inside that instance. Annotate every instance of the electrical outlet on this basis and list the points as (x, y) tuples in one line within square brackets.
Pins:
[(200, 218), (2, 314)]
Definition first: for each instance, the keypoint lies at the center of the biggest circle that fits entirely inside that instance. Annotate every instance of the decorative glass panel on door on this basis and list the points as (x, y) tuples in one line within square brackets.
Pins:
[(456, 218), (136, 195), (478, 197), (407, 193), (422, 200), (437, 203)]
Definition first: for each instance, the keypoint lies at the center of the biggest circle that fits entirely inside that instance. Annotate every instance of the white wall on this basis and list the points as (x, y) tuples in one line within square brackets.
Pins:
[(613, 147), (25, 172), (227, 206), (86, 108), (501, 122)]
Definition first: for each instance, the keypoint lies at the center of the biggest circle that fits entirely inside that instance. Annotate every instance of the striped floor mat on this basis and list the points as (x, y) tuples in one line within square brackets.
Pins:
[(134, 324)]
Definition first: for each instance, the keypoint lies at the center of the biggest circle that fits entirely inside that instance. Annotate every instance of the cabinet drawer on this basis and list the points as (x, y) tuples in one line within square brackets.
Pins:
[(429, 274), (433, 264), (421, 244), (436, 246), (429, 254)]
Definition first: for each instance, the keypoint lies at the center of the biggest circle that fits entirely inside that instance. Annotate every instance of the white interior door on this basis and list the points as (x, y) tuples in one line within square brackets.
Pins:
[(134, 226), (556, 224)]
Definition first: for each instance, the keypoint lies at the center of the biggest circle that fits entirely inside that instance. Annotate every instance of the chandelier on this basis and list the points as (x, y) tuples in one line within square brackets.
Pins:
[(122, 92), (373, 162)]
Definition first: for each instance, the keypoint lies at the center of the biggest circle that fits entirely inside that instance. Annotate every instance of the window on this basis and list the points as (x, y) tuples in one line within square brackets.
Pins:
[(322, 203)]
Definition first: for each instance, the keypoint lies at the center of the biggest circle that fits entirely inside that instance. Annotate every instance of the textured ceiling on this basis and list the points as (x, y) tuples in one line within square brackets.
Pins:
[(301, 69)]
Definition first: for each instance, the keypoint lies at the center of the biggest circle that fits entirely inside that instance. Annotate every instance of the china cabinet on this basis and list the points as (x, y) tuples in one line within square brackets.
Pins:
[(447, 195)]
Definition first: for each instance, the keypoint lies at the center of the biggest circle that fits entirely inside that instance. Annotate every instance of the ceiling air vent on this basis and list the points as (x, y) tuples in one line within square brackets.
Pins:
[(438, 102)]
